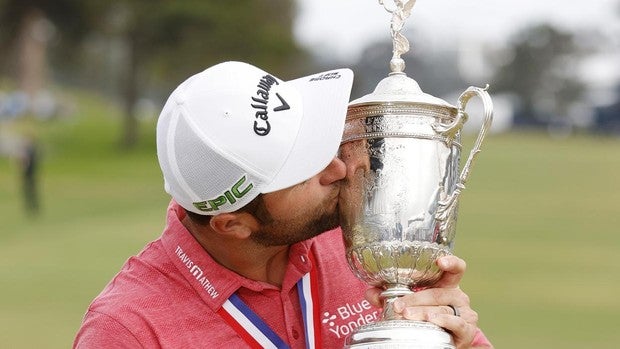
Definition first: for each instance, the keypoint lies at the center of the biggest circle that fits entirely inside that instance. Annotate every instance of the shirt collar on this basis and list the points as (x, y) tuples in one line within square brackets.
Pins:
[(213, 282)]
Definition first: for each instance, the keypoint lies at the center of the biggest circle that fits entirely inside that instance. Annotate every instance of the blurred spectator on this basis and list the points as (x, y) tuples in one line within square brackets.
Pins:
[(29, 163)]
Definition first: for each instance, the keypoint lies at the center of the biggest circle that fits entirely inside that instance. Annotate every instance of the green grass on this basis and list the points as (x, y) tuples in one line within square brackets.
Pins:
[(538, 227), (99, 206)]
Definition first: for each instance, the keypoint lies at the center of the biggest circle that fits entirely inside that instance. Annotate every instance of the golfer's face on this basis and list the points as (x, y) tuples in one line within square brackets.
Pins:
[(304, 210)]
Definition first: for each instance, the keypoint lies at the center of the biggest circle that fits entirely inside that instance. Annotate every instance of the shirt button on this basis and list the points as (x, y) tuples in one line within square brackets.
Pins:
[(295, 334)]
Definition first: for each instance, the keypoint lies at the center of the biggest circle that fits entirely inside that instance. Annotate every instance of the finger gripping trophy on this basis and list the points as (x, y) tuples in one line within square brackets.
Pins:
[(399, 204)]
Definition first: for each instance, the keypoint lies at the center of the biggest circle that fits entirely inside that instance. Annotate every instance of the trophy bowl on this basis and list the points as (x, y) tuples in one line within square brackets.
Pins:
[(399, 202)]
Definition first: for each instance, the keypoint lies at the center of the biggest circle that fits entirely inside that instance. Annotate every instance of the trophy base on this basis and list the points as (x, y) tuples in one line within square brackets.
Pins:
[(400, 334)]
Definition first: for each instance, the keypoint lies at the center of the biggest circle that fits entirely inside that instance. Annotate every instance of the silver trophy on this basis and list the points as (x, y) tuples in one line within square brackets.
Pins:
[(399, 205)]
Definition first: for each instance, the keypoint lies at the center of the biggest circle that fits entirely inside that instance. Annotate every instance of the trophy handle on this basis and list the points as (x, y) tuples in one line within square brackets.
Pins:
[(448, 205), (486, 125)]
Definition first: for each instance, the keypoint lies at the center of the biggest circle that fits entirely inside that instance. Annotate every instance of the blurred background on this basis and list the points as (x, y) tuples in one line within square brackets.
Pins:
[(82, 83)]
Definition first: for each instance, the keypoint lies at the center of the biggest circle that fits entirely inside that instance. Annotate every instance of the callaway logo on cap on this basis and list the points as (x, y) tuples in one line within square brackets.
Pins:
[(233, 131)]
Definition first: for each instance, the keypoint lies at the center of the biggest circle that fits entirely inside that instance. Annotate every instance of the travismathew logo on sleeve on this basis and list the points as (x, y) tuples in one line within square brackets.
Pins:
[(196, 272), (262, 127)]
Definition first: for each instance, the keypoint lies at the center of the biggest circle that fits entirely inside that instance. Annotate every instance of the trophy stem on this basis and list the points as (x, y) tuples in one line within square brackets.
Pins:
[(391, 293)]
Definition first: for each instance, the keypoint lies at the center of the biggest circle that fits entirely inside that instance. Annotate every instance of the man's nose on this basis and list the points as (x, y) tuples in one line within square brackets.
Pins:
[(335, 171)]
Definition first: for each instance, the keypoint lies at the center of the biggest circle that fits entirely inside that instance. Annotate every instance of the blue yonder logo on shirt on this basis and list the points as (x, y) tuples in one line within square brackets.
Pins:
[(348, 317)]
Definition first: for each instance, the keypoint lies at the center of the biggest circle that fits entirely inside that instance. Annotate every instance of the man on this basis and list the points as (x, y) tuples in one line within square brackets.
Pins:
[(29, 163), (251, 256)]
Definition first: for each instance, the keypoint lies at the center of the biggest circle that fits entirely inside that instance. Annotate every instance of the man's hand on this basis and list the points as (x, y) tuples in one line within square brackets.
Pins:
[(433, 304)]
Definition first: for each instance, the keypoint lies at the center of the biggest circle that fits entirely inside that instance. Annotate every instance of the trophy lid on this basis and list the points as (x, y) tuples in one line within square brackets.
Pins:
[(399, 88)]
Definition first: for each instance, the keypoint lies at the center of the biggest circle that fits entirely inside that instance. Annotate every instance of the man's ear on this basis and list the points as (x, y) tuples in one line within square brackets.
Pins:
[(235, 225)]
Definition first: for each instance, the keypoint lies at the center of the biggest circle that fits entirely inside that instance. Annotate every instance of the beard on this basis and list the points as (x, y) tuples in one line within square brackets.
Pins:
[(286, 232)]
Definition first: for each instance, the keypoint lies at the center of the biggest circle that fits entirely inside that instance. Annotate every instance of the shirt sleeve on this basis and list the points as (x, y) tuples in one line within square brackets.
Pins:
[(102, 331)]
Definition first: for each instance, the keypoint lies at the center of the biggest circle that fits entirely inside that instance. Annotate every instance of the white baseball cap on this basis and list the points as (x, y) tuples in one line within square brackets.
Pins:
[(234, 131)]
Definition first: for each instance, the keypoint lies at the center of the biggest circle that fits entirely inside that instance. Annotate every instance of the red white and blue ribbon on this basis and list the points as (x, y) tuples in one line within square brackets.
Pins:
[(249, 326), (308, 290), (257, 334)]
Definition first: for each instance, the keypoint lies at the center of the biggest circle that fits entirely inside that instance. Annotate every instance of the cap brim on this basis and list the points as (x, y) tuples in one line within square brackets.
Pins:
[(325, 99)]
